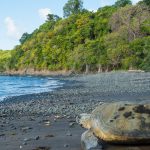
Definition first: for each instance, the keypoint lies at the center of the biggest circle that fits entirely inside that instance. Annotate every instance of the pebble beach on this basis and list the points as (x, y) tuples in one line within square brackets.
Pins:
[(47, 120)]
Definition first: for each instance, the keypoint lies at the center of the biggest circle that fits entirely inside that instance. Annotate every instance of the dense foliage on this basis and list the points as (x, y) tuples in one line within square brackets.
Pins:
[(4, 58), (122, 3), (110, 39), (147, 2), (72, 7)]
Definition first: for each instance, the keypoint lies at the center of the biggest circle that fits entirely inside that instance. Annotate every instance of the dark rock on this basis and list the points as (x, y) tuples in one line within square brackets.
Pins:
[(117, 116), (68, 133), (37, 138), (49, 136), (66, 145), (2, 135), (42, 148), (111, 120)]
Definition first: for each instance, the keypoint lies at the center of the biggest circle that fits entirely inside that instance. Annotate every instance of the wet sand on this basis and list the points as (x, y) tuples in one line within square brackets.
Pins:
[(29, 133)]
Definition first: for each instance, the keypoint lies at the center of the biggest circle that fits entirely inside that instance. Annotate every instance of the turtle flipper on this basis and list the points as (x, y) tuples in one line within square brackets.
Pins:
[(84, 120), (90, 142)]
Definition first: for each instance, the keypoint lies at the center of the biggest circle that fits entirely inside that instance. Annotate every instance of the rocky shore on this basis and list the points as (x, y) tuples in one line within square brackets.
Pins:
[(47, 120)]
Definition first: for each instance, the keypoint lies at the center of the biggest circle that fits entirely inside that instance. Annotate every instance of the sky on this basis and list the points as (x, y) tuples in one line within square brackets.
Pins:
[(20, 16)]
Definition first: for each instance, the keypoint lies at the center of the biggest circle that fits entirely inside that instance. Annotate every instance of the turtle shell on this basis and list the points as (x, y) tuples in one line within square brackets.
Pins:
[(122, 122)]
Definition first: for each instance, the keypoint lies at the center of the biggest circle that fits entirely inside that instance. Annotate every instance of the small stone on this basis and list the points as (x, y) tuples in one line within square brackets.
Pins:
[(24, 143), (2, 135), (32, 138), (66, 145), (49, 136), (20, 147), (115, 117), (27, 139), (32, 119), (37, 138), (68, 117), (111, 120), (13, 133), (3, 115), (42, 148), (68, 133), (71, 124), (58, 117), (26, 128), (47, 123)]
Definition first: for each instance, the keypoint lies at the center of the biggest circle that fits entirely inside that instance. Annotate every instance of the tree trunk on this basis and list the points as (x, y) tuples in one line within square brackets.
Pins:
[(87, 69), (100, 68), (106, 69)]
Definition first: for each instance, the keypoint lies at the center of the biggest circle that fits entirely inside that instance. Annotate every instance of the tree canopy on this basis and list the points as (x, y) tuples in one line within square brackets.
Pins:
[(4, 59), (147, 2), (122, 3), (72, 7)]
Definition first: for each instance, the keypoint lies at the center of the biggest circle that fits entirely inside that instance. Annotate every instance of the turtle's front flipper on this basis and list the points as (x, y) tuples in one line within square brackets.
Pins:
[(89, 141)]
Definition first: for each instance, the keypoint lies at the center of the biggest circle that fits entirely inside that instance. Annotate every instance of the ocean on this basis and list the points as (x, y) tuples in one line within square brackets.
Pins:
[(22, 85)]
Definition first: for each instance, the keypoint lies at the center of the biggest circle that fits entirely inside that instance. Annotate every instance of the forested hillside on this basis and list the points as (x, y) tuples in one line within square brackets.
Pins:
[(4, 58), (113, 38)]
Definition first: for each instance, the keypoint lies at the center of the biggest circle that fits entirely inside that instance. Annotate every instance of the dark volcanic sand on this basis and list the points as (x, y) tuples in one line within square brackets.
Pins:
[(28, 133), (23, 118)]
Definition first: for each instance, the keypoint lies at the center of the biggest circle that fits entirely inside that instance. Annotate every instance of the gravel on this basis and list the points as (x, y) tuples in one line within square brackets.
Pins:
[(81, 93)]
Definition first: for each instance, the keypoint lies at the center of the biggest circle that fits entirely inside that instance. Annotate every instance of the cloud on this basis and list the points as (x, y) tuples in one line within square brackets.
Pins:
[(43, 12), (12, 30)]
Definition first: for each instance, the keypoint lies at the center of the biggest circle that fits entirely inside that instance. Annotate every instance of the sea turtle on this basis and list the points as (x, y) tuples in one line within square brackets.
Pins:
[(117, 122)]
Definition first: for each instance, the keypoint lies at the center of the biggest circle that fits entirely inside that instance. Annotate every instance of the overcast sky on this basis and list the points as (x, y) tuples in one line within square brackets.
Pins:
[(19, 16)]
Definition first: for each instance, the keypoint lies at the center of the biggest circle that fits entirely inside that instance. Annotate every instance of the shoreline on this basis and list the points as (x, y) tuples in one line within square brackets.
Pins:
[(92, 88), (44, 119)]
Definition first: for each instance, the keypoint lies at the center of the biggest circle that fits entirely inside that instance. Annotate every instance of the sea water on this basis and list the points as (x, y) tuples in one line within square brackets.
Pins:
[(22, 85)]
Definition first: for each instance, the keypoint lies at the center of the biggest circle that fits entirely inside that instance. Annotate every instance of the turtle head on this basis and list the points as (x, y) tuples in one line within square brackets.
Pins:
[(84, 120)]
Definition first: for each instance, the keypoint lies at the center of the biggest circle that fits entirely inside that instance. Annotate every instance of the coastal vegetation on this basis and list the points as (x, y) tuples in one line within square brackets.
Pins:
[(112, 38), (4, 59)]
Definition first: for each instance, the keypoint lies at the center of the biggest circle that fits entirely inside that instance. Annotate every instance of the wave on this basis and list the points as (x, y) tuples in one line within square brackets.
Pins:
[(16, 86)]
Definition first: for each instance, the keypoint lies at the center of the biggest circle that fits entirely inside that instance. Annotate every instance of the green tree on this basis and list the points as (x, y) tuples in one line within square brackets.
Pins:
[(51, 17), (147, 2), (4, 60), (111, 38), (129, 20), (123, 3), (72, 7), (24, 37)]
